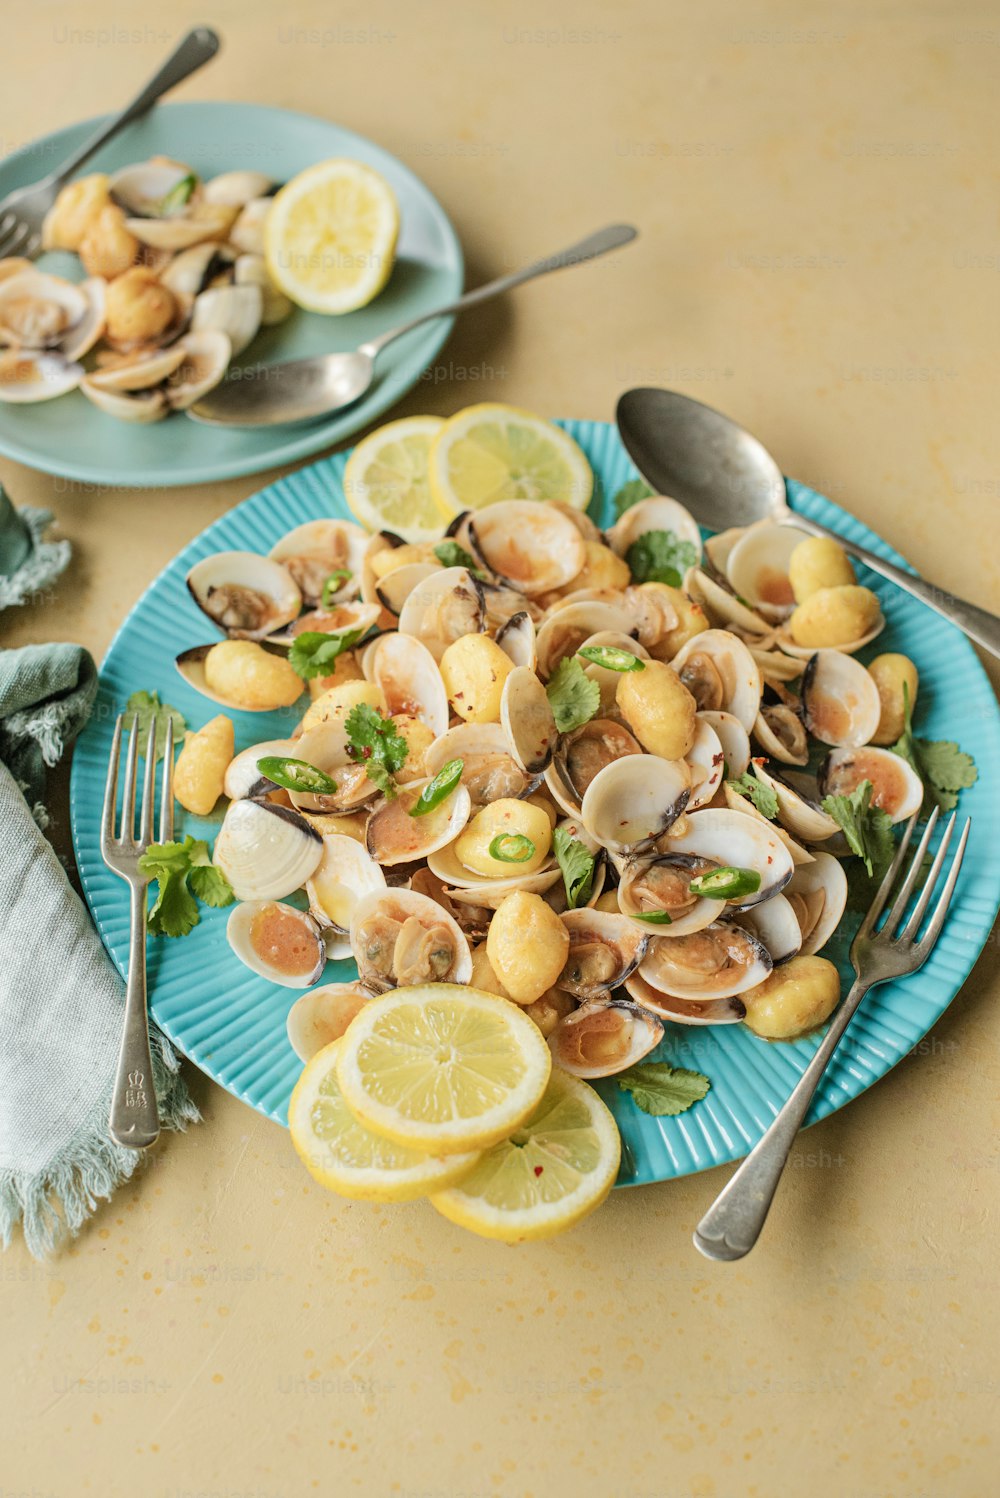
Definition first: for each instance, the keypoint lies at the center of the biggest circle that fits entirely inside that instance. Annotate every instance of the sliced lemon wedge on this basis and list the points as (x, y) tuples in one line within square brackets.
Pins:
[(491, 452), (330, 236), (386, 484), (442, 1068), (555, 1168), (344, 1156)]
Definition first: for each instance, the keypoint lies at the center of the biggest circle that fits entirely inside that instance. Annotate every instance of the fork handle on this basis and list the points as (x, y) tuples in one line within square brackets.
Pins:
[(134, 1121), (732, 1225), (194, 50)]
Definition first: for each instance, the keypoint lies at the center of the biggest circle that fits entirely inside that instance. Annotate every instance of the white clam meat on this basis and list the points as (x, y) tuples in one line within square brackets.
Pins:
[(399, 937), (246, 596)]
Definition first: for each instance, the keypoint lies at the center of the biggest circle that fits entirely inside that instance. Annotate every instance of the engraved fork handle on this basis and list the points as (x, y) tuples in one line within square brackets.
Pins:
[(194, 50), (133, 1120), (732, 1225)]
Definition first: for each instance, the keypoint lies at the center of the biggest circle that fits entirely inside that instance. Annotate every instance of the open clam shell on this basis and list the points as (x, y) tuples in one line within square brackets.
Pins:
[(243, 779), (488, 769), (322, 1015), (654, 514), (896, 787), (394, 836), (409, 678), (799, 809), (721, 674), (757, 568), (659, 882), (247, 596), (399, 937), (603, 1037), (312, 552), (781, 734), (684, 1011), (566, 628), (722, 606), (604, 948), (446, 605), (277, 941), (27, 376), (632, 801), (233, 310), (706, 759), (394, 588), (345, 872), (718, 962), (776, 925), (582, 755), (531, 546), (527, 721), (729, 838), (328, 748), (266, 851), (516, 636), (840, 701), (448, 867), (734, 739), (817, 893)]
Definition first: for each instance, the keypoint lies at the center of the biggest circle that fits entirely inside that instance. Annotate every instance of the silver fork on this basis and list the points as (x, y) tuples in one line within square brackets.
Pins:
[(23, 211), (732, 1225), (133, 1120)]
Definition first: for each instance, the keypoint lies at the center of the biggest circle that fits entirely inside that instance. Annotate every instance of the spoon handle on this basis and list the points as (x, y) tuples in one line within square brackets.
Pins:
[(610, 238), (977, 623)]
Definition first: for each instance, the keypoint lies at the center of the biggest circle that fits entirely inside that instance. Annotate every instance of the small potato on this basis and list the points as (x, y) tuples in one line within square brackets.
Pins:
[(474, 669), (201, 765), (554, 1005), (691, 620), (602, 568), (336, 702), (107, 248), (77, 205), (793, 999), (138, 307), (345, 668), (483, 975), (505, 817), (250, 676), (527, 945), (419, 739), (891, 673), (384, 562), (659, 709), (832, 617), (818, 563)]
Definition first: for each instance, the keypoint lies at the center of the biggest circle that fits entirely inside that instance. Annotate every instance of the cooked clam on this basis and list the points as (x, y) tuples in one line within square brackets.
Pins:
[(399, 937), (723, 608), (632, 801), (716, 963), (345, 872), (328, 748), (277, 941), (320, 549), (322, 1015), (757, 568), (684, 1011), (409, 678), (527, 721), (516, 636), (604, 948), (395, 836), (570, 626), (721, 674), (655, 514), (444, 607), (233, 310), (659, 884), (780, 732), (243, 779), (603, 1037), (27, 376), (488, 770), (737, 841), (266, 851), (840, 701), (775, 924), (817, 893), (896, 786), (531, 546), (734, 739), (799, 809), (706, 761), (246, 595), (582, 755)]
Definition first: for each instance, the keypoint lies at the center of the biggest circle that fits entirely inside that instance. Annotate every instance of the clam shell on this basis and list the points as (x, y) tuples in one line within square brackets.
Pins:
[(247, 596), (266, 851), (239, 934), (654, 514), (322, 1015), (402, 906), (896, 786), (604, 1037), (394, 836), (527, 721), (530, 545), (735, 668), (632, 801), (819, 891), (743, 962), (27, 376), (684, 1011), (345, 872), (314, 550), (444, 607), (840, 702), (732, 839)]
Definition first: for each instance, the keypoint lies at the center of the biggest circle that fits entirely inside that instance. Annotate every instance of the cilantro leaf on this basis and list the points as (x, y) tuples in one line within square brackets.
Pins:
[(147, 707), (755, 791), (577, 864), (660, 557), (376, 743), (944, 768), (450, 554), (314, 653), (630, 494), (182, 871), (663, 1090), (867, 828), (573, 697)]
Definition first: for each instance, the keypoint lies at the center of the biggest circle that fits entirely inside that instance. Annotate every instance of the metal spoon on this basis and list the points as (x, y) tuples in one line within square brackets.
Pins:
[(727, 478), (302, 389)]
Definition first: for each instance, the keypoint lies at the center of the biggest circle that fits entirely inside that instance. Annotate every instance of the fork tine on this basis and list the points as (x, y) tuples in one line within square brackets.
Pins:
[(111, 787), (148, 785), (882, 893), (167, 788), (7, 222), (898, 907), (14, 239), (127, 833), (944, 899), (912, 926)]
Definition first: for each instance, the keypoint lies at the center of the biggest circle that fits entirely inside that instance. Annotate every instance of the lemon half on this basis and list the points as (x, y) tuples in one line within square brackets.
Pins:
[(341, 1154), (442, 1068), (491, 452), (555, 1168), (330, 236)]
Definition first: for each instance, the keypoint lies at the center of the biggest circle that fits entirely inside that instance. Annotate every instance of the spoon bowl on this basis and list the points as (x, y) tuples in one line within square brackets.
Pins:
[(281, 394)]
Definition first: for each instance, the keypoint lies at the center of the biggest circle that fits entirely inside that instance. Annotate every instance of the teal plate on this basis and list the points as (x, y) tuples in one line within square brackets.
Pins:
[(70, 437), (232, 1023)]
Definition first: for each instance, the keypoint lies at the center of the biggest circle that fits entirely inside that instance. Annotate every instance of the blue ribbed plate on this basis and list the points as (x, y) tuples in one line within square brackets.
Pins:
[(232, 1024)]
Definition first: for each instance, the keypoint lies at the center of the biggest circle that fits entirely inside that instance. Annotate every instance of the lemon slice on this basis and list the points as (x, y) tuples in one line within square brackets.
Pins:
[(442, 1068), (555, 1168), (330, 236), (344, 1156), (491, 452), (385, 480)]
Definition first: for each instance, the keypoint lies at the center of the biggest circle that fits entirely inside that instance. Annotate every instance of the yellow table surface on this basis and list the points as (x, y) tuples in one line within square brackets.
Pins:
[(817, 194)]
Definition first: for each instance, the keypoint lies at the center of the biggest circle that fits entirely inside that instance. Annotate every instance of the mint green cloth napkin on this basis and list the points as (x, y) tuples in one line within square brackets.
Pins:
[(61, 1000)]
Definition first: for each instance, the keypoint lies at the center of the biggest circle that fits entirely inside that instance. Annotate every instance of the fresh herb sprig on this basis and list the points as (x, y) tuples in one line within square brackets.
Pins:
[(184, 874), (376, 743)]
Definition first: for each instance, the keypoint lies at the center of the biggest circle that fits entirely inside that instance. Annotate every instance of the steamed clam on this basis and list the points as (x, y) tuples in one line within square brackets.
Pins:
[(266, 851), (718, 962), (604, 1036), (399, 937), (277, 941), (245, 595)]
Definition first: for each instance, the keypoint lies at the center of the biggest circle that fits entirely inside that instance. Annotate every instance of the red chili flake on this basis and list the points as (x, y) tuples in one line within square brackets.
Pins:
[(539, 1169)]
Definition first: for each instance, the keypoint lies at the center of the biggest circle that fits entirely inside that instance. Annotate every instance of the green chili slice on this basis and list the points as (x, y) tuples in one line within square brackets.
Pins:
[(726, 883), (333, 584), (652, 917), (611, 658), (296, 775), (435, 791), (512, 847)]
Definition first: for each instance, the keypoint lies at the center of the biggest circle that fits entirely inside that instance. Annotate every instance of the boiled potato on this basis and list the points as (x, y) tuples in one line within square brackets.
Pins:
[(384, 562), (483, 975), (659, 709), (201, 765), (793, 999), (77, 205), (527, 945), (474, 669), (818, 563), (251, 677), (832, 617), (602, 568), (337, 702), (419, 739), (554, 1005), (107, 248), (890, 674), (505, 817), (691, 620)]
